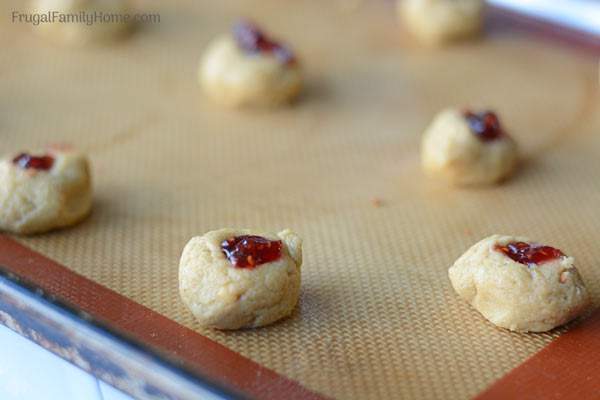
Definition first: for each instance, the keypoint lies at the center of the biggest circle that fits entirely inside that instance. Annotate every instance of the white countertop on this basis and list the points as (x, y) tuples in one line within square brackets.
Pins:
[(29, 372), (582, 15)]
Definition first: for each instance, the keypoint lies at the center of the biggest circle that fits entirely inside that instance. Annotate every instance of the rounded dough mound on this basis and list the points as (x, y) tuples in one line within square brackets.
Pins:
[(80, 33), (33, 201), (451, 150), (225, 297), (234, 78), (515, 296), (438, 21)]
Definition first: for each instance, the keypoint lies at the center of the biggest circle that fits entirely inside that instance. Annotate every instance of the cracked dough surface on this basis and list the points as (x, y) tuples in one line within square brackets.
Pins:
[(225, 297), (515, 296), (33, 201), (81, 33), (450, 150), (439, 21), (232, 77)]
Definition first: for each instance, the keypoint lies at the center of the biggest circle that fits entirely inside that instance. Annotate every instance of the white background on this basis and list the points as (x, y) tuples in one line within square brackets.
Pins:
[(29, 372)]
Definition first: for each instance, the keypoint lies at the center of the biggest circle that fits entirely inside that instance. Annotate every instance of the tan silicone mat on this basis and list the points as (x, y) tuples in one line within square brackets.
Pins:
[(377, 317)]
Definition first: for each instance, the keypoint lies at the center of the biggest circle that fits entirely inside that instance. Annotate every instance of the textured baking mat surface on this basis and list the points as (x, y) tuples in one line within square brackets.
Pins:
[(377, 317)]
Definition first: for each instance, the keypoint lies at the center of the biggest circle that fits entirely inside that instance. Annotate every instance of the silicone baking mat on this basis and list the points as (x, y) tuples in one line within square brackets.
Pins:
[(377, 316)]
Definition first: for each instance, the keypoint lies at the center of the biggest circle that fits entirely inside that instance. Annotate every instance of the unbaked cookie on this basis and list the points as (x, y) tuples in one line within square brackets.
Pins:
[(233, 279), (246, 68), (45, 190), (439, 21), (468, 148), (98, 20), (518, 284)]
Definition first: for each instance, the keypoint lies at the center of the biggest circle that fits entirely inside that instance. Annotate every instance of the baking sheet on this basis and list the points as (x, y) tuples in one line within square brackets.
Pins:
[(377, 317)]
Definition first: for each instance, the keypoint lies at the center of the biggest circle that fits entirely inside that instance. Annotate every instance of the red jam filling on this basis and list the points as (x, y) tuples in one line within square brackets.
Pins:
[(41, 163), (251, 39), (485, 125), (248, 251), (530, 253)]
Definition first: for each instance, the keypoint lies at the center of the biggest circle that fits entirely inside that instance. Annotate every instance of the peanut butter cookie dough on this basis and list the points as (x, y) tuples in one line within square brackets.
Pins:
[(246, 68), (110, 24), (518, 284), (239, 278), (42, 191), (468, 148), (435, 22)]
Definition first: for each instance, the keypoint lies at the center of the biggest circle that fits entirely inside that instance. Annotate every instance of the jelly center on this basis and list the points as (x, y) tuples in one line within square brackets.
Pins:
[(530, 253), (26, 161), (485, 125), (250, 38), (249, 251)]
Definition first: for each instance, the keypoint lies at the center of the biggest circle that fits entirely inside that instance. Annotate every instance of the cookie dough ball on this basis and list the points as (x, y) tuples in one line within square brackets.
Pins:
[(103, 20), (41, 191), (233, 279), (247, 68), (468, 148), (437, 21), (518, 284)]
